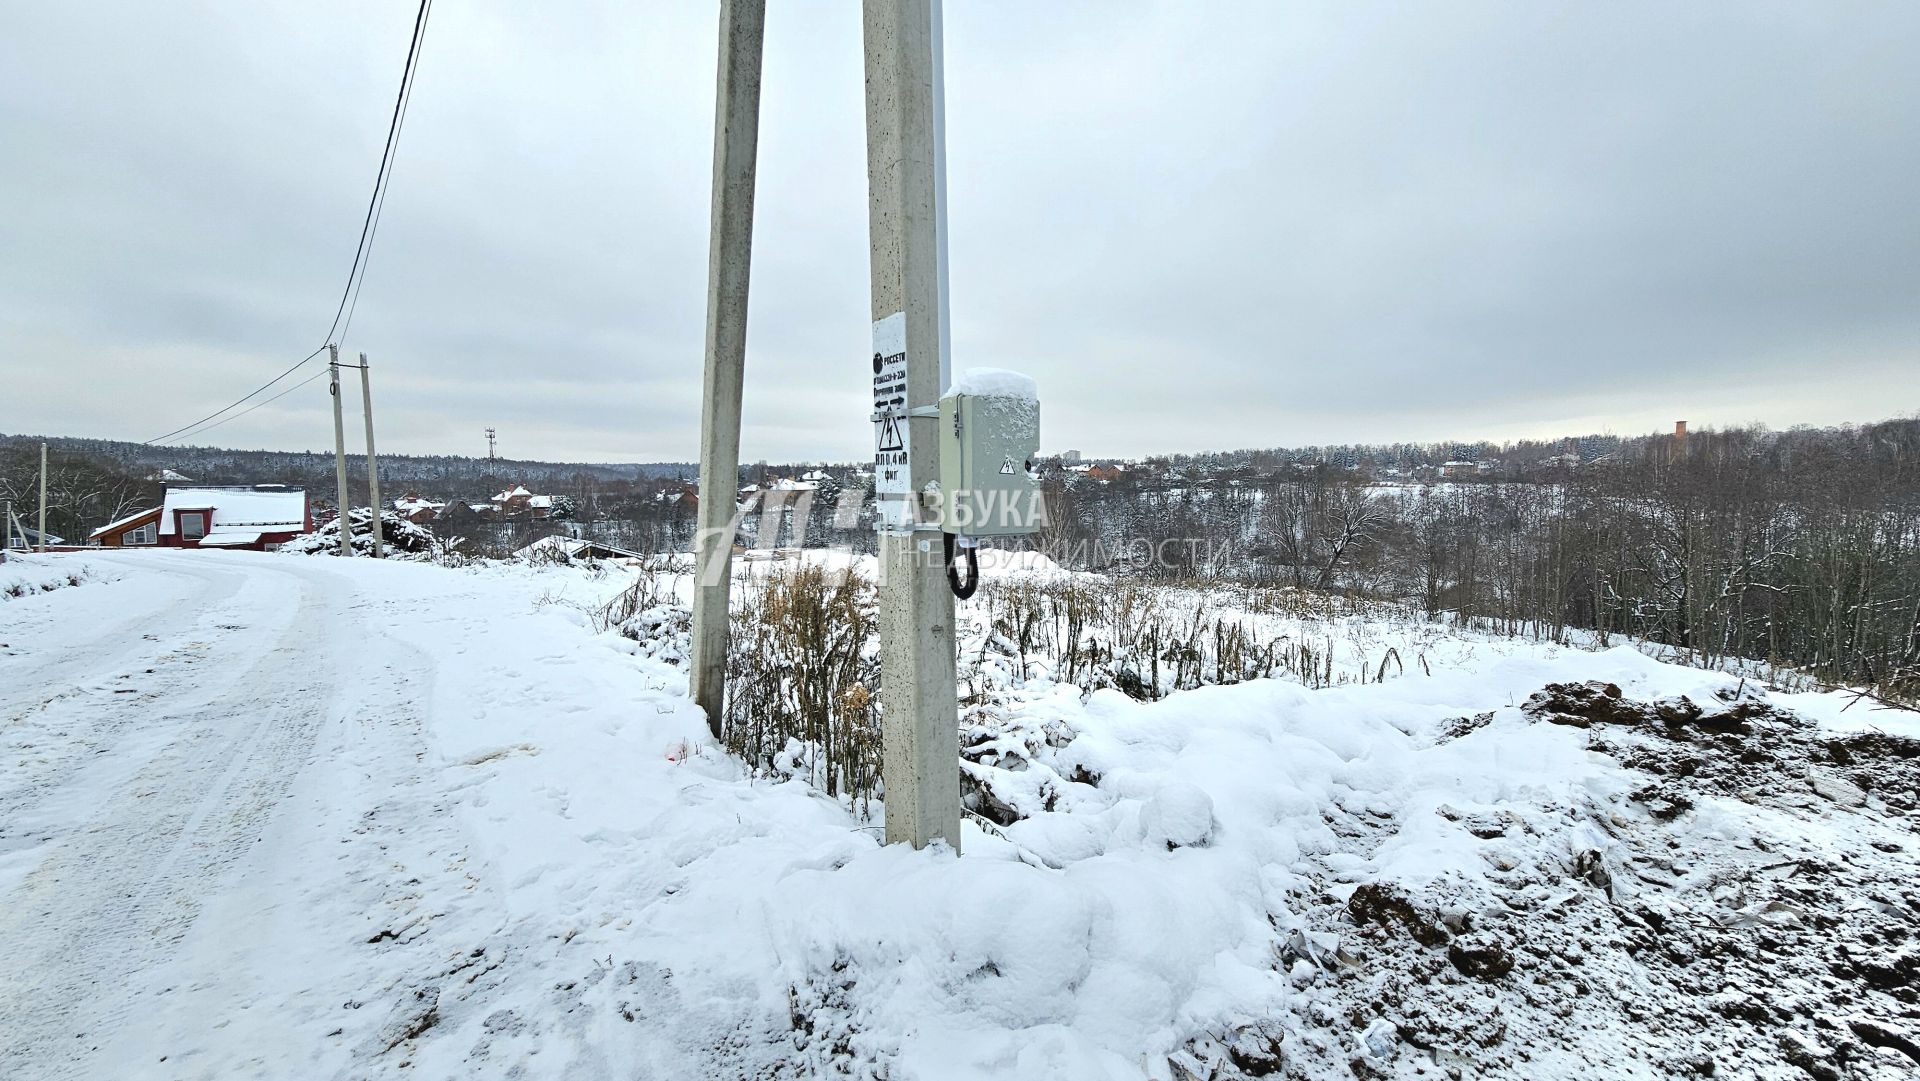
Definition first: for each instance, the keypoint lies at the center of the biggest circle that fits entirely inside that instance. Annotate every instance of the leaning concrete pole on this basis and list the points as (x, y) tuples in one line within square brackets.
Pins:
[(373, 463), (43, 495), (339, 450), (920, 746), (736, 129)]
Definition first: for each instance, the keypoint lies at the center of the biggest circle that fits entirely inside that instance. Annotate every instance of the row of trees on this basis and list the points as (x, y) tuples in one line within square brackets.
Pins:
[(1800, 547), (84, 492)]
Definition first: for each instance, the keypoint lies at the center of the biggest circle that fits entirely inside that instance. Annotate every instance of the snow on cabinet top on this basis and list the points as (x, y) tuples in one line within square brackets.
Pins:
[(995, 382)]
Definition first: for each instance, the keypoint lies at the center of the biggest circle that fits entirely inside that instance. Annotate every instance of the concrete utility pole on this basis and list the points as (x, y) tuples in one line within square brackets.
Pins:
[(920, 746), (736, 130), (43, 495), (373, 464), (339, 449)]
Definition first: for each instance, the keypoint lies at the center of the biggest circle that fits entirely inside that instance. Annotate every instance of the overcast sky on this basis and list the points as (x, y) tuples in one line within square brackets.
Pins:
[(1198, 225)]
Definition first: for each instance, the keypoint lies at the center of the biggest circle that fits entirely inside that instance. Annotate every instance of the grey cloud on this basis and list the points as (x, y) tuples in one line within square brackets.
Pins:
[(1198, 226)]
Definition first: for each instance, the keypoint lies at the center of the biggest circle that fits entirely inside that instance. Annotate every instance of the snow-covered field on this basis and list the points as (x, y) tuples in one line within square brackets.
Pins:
[(281, 816)]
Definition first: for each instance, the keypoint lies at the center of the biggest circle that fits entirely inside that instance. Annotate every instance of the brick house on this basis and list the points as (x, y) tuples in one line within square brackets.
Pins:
[(519, 502)]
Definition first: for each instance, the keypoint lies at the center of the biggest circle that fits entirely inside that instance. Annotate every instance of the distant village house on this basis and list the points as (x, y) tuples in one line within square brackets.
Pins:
[(519, 502), (417, 510)]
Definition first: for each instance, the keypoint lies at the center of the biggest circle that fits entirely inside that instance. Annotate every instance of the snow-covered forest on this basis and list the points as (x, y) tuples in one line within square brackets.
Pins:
[(1801, 548)]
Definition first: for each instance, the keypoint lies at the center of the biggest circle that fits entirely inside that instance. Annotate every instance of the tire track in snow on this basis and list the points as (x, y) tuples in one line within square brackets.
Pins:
[(338, 931), (114, 897), (125, 642), (102, 702)]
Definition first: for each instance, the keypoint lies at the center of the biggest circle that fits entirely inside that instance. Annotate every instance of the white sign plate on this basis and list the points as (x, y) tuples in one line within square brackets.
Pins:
[(892, 449)]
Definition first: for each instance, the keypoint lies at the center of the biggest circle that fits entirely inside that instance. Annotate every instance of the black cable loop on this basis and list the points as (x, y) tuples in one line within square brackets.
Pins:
[(962, 591)]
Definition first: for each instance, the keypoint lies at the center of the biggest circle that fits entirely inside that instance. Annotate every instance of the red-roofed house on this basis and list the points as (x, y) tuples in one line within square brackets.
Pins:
[(255, 518), (518, 501)]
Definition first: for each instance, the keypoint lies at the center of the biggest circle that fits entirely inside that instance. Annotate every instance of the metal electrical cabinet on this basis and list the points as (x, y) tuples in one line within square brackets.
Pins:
[(987, 480)]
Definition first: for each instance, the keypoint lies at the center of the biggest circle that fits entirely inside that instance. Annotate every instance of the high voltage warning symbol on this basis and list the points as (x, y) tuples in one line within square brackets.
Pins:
[(889, 438)]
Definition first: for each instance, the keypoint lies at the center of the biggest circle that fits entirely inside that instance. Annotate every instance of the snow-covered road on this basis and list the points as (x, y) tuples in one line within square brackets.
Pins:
[(288, 817), (155, 733)]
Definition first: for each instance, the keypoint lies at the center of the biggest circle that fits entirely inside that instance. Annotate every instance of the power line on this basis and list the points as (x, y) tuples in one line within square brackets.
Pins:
[(361, 251), (258, 404), (379, 198), (217, 412)]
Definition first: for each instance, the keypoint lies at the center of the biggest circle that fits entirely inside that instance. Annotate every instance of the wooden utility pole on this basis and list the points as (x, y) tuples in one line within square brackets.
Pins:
[(339, 450), (43, 495), (736, 129), (373, 464), (920, 747)]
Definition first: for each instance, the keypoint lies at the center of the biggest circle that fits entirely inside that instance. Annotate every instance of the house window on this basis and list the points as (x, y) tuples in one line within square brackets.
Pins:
[(146, 534), (193, 525)]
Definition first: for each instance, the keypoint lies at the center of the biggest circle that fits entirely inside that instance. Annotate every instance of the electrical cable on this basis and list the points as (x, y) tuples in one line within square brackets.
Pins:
[(230, 405), (393, 157), (386, 158), (361, 250), (267, 401), (962, 590)]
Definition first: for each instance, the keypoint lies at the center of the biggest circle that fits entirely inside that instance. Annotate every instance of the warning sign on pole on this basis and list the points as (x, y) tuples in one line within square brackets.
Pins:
[(892, 450)]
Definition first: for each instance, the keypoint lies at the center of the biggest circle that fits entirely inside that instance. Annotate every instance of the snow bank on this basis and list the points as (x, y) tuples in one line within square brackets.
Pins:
[(1159, 900), (27, 573), (1847, 711)]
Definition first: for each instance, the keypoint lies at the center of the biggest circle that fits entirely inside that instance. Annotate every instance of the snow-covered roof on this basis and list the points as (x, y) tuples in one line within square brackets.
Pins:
[(814, 475), (26, 534), (226, 539), (515, 492), (540, 501), (116, 526), (572, 548), (546, 546), (239, 510)]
